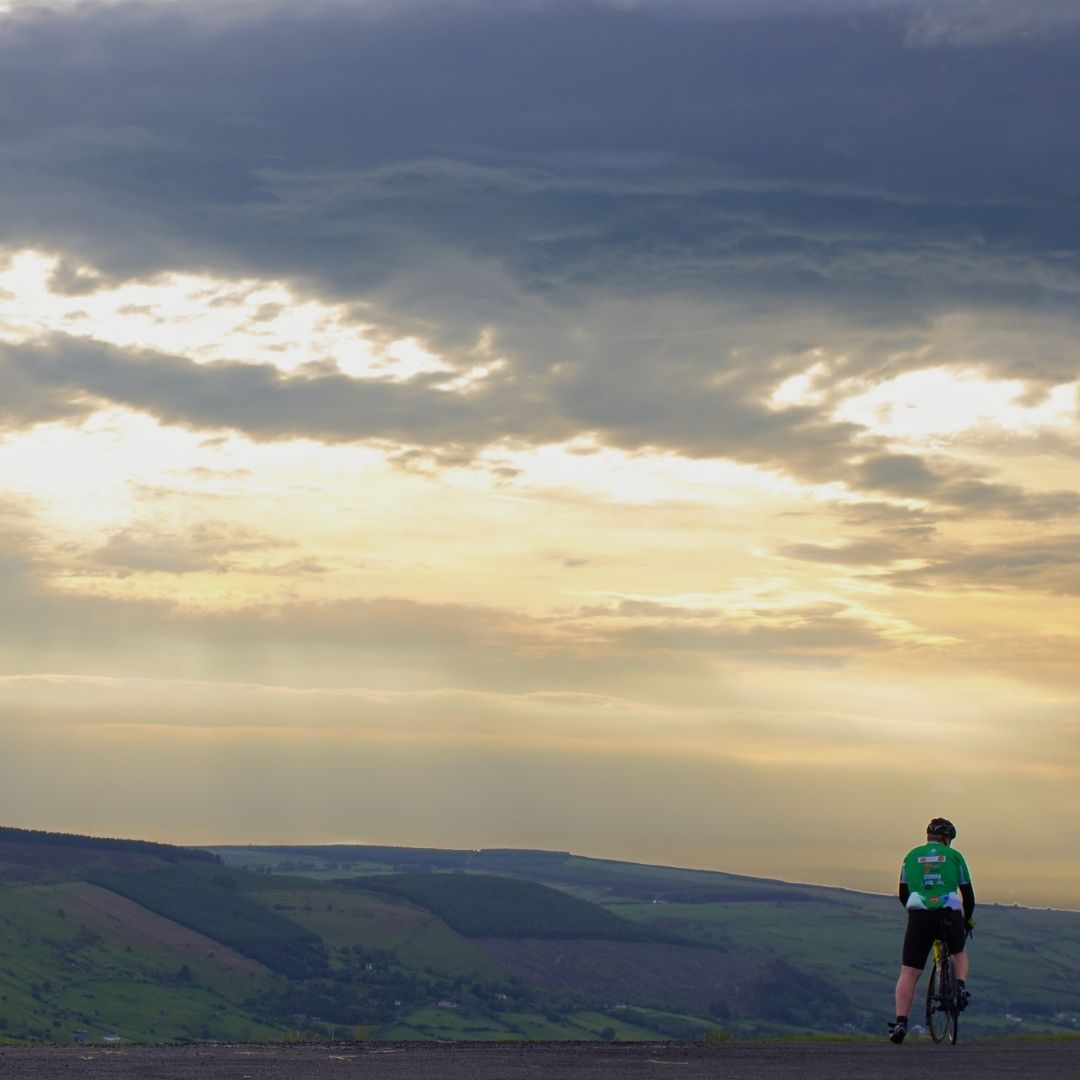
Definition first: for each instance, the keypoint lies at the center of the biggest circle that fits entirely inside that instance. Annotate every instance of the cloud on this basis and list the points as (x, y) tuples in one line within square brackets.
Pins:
[(967, 23), (814, 637), (927, 558), (684, 406), (1047, 564), (384, 643), (566, 723), (905, 474), (648, 257), (216, 761), (206, 546), (850, 553), (25, 401), (953, 484), (262, 402), (617, 225), (348, 147), (653, 652)]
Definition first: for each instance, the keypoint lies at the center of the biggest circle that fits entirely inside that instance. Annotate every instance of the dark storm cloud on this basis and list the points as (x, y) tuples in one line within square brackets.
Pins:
[(335, 141), (651, 212)]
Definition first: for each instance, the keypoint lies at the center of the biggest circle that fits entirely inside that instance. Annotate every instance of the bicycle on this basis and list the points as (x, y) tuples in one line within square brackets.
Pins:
[(943, 996)]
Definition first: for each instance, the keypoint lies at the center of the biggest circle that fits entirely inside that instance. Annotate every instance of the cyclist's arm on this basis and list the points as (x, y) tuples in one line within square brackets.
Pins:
[(967, 890), (967, 894), (904, 892)]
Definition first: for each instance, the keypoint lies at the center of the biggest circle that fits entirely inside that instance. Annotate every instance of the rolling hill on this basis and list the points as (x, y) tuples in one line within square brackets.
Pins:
[(786, 957), (148, 942)]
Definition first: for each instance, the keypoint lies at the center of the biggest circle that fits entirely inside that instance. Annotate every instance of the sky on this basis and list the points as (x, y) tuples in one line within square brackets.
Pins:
[(646, 428)]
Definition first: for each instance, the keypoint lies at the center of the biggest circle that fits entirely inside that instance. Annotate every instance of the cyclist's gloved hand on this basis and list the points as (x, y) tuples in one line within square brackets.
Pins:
[(970, 924)]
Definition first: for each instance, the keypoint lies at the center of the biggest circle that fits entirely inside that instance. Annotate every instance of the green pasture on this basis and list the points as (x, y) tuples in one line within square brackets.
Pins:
[(434, 1022), (436, 947), (346, 918), (66, 967), (664, 1024), (142, 1010)]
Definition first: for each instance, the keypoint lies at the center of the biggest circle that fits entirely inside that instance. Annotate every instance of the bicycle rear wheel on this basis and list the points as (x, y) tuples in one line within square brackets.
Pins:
[(942, 1017)]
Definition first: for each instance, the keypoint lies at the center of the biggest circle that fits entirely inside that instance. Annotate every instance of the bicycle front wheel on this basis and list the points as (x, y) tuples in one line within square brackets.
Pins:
[(941, 1006)]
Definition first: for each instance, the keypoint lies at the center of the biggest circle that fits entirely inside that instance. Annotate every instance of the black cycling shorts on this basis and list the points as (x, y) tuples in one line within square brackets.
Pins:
[(922, 928)]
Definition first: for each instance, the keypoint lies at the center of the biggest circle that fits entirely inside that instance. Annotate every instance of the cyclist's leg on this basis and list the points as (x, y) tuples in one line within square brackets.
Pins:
[(956, 935), (955, 931), (918, 941), (905, 989), (962, 965)]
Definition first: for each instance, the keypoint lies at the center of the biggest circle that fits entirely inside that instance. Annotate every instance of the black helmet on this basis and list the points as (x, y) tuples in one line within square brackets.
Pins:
[(942, 828)]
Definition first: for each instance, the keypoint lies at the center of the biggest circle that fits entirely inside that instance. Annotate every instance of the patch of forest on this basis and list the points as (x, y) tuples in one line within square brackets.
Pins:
[(481, 906), (210, 901), (167, 852)]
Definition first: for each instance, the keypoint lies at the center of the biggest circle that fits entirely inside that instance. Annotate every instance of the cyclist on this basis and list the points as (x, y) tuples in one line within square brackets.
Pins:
[(936, 890)]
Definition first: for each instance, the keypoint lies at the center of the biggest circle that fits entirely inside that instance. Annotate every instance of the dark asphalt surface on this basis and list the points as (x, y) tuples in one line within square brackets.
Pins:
[(984, 1060)]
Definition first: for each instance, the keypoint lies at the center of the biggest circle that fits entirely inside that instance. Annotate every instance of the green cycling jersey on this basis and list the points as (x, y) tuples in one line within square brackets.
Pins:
[(933, 873)]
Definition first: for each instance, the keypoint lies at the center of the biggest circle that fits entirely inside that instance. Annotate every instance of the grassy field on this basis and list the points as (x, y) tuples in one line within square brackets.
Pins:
[(381, 923), (69, 966)]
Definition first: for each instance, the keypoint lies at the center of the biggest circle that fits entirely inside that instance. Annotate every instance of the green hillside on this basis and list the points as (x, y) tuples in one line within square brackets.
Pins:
[(78, 957), (149, 942), (114, 938), (844, 944)]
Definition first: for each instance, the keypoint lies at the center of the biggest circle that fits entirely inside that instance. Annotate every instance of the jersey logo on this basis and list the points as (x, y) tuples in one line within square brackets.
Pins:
[(931, 858)]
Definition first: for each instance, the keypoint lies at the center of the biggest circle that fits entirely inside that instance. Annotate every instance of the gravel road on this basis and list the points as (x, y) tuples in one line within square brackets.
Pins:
[(980, 1060)]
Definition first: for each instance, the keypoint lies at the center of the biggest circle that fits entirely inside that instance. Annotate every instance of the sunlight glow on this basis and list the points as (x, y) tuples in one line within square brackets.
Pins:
[(207, 319), (644, 478), (801, 389), (88, 477), (938, 402)]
